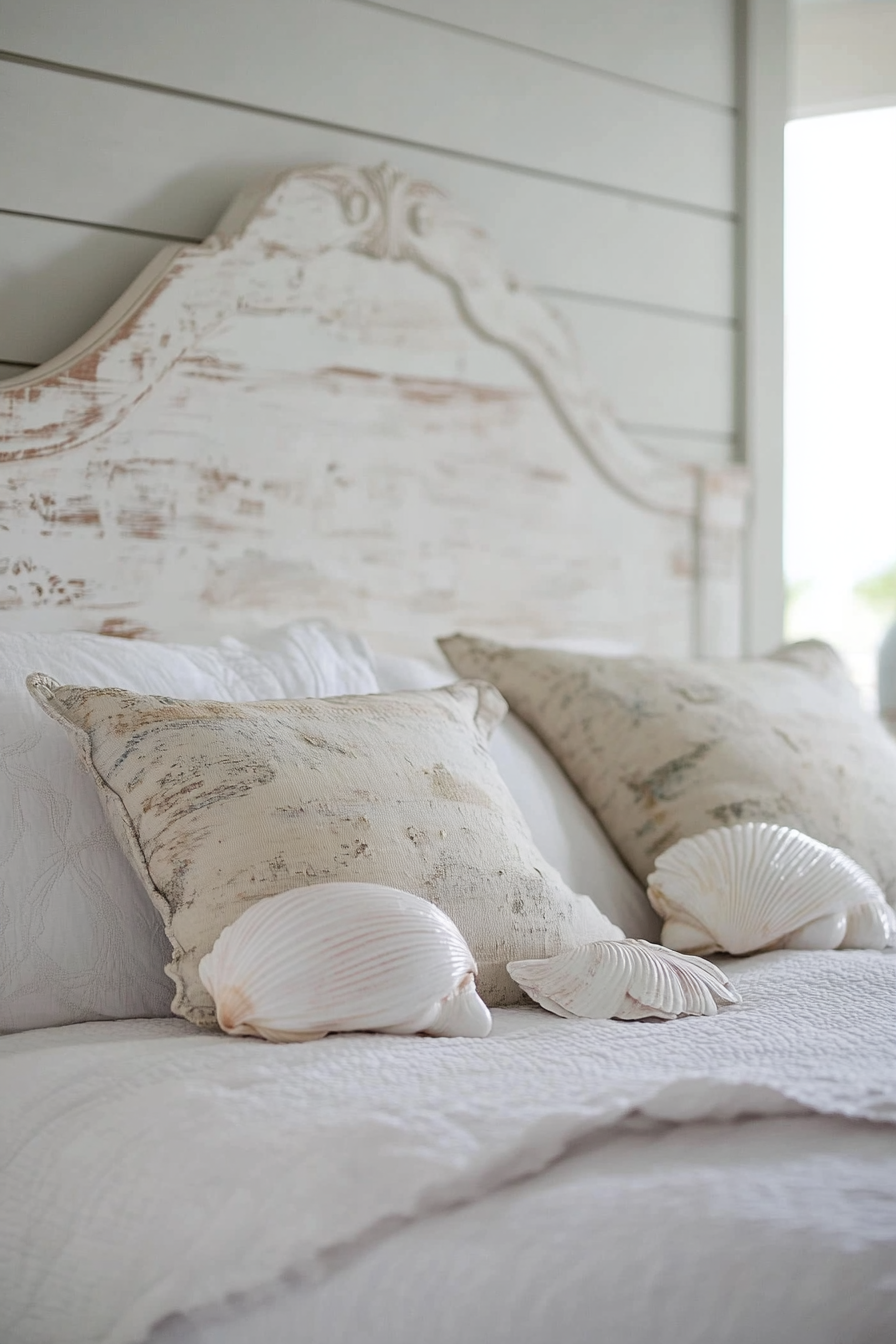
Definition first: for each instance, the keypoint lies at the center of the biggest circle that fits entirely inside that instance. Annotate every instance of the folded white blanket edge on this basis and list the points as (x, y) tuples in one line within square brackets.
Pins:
[(151, 1168)]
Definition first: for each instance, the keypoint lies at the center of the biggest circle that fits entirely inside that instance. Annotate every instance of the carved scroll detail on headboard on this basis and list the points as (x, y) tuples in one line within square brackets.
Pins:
[(256, 261)]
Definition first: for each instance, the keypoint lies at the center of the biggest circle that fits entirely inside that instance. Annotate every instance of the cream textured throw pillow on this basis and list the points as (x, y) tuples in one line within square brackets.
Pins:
[(662, 749), (219, 805)]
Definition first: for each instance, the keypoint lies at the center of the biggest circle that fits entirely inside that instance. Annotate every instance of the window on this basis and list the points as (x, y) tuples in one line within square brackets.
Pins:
[(840, 434)]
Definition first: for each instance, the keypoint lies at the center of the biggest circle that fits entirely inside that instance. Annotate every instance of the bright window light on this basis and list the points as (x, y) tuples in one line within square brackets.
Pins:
[(840, 312)]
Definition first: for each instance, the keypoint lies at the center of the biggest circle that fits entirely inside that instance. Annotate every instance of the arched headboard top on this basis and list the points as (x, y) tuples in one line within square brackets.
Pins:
[(341, 404)]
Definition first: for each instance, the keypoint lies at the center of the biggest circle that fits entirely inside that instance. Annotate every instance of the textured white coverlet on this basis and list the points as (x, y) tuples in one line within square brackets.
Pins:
[(763, 1230), (150, 1167)]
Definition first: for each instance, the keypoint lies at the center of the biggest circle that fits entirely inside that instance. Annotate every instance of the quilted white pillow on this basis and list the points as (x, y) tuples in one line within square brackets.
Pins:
[(79, 938)]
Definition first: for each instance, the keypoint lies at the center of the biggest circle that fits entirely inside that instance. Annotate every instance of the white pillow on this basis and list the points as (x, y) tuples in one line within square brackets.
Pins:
[(79, 938), (563, 826)]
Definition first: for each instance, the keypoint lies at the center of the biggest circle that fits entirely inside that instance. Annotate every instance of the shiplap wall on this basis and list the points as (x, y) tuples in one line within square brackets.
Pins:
[(597, 140)]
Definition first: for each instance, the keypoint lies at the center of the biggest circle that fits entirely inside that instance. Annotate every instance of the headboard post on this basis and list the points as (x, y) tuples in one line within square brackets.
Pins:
[(719, 543)]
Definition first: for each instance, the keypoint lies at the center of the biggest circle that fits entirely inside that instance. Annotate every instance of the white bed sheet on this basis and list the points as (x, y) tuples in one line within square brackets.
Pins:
[(149, 1168), (763, 1231)]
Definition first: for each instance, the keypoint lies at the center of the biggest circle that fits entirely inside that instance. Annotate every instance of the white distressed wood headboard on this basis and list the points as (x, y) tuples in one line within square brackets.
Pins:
[(340, 404)]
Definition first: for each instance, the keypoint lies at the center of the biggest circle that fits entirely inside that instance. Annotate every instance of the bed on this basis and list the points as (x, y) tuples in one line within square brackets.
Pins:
[(342, 407)]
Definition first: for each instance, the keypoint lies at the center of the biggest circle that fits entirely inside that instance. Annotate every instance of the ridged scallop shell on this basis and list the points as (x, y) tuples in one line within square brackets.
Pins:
[(629, 979), (343, 956), (754, 887)]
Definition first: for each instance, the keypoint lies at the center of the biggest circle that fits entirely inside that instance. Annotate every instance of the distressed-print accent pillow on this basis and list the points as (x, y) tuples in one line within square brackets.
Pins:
[(79, 940), (219, 805), (662, 748)]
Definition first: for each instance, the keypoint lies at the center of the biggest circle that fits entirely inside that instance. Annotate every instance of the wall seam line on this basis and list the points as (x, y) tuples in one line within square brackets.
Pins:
[(639, 305), (569, 62), (445, 151)]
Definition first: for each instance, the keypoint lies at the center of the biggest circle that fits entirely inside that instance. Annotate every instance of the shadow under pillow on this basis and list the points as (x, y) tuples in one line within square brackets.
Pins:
[(663, 748)]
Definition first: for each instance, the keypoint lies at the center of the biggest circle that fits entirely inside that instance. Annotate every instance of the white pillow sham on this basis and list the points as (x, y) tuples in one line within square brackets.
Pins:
[(563, 827), (79, 938)]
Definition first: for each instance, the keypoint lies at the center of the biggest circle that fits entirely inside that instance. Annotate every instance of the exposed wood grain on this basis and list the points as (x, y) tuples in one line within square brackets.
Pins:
[(341, 404), (455, 90), (169, 164)]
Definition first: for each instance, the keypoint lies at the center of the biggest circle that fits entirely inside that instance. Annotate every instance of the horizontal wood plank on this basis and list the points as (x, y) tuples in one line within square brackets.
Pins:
[(12, 370), (656, 370), (158, 162), (687, 46), (57, 279), (376, 70)]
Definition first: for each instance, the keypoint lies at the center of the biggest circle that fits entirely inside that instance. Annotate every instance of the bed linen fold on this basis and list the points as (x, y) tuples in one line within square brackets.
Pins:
[(150, 1167), (762, 1230)]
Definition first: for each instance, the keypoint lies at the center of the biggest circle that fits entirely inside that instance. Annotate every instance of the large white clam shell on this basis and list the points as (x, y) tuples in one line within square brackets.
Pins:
[(757, 886), (628, 979), (343, 956)]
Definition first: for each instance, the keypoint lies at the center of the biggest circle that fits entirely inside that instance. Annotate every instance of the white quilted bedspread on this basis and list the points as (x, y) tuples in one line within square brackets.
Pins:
[(149, 1167)]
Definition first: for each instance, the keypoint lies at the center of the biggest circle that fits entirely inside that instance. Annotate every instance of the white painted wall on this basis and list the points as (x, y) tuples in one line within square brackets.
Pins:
[(606, 144), (844, 56)]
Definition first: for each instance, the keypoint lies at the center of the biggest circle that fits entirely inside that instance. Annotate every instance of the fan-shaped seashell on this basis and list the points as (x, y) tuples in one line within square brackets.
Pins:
[(754, 887), (628, 979), (343, 956)]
